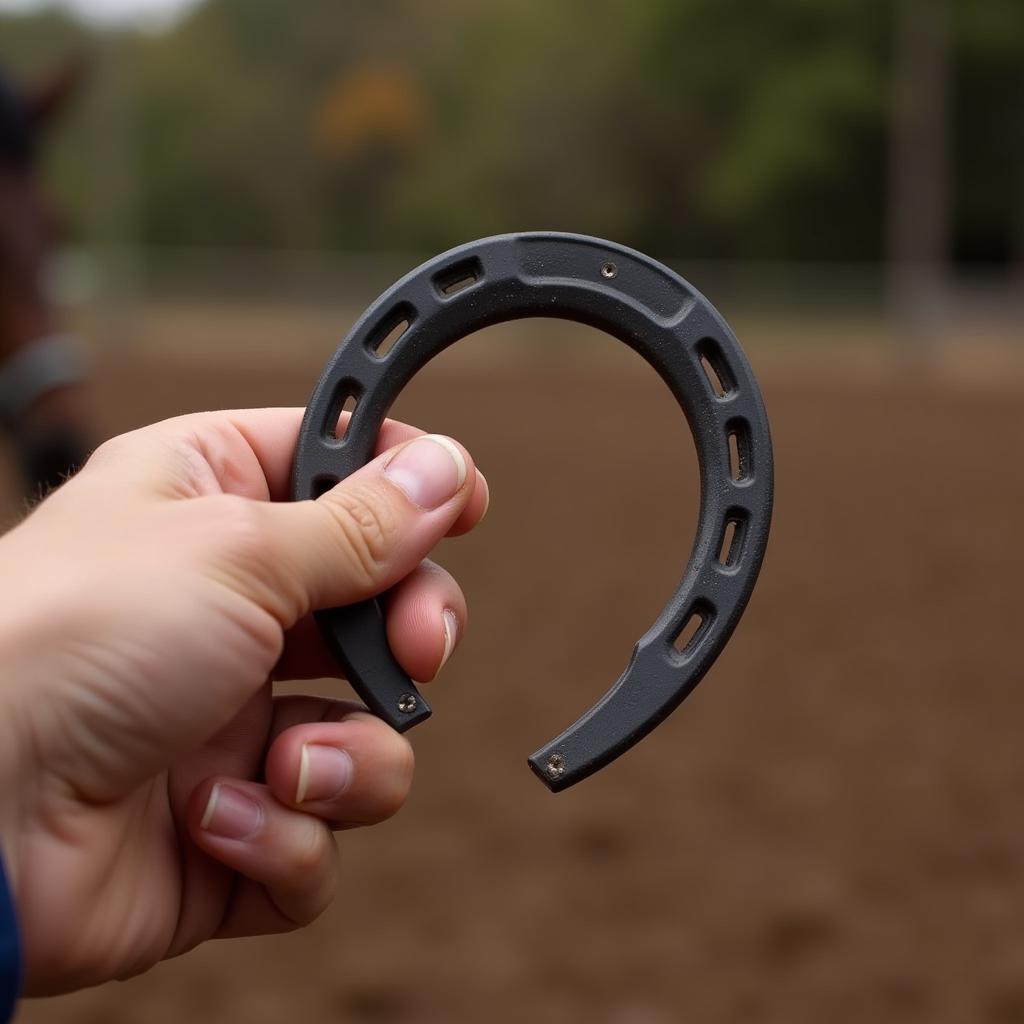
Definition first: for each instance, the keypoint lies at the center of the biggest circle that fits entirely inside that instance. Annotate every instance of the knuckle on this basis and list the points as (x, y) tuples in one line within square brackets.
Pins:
[(111, 451), (107, 449), (368, 527)]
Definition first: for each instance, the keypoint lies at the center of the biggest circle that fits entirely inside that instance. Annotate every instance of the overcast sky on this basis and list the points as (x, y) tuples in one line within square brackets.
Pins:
[(146, 12)]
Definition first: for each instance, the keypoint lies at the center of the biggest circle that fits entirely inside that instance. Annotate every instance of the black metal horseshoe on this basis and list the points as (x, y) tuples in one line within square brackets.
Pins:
[(655, 312)]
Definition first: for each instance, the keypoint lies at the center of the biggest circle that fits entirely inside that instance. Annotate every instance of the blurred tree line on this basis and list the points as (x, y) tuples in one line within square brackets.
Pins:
[(711, 128)]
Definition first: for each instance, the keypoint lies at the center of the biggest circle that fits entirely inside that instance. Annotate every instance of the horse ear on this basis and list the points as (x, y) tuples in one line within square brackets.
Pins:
[(48, 97)]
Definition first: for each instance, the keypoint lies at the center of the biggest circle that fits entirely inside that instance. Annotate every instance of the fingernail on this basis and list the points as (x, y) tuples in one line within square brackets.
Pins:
[(487, 492), (430, 470), (231, 814), (324, 773), (451, 633)]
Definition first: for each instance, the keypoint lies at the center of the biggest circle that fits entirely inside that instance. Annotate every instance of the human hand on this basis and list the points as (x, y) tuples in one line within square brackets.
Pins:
[(156, 793)]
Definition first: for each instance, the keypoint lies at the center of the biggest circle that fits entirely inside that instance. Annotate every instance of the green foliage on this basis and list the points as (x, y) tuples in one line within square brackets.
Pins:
[(690, 127)]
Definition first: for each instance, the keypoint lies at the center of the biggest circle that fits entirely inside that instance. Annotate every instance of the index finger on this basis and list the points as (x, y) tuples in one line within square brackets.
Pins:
[(273, 435), (250, 451)]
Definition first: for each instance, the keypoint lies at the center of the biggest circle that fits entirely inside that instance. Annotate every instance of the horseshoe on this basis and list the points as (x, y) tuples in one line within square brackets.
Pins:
[(672, 326)]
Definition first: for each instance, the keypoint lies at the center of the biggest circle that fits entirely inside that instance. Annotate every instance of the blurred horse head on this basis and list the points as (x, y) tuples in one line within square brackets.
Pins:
[(28, 223), (27, 112)]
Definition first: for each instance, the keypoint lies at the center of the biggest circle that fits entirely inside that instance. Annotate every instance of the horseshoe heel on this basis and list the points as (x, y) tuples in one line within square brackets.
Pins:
[(672, 326)]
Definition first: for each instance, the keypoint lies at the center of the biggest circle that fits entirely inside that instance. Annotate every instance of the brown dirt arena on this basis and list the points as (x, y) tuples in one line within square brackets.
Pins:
[(830, 829)]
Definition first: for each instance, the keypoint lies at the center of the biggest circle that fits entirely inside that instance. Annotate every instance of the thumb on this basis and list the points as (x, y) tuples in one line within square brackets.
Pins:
[(368, 532)]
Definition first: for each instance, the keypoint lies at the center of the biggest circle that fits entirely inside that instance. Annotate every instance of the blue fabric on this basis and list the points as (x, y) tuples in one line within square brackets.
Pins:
[(10, 951)]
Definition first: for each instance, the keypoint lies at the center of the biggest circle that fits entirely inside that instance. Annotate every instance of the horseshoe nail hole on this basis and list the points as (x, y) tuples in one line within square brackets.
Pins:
[(728, 537), (391, 328), (346, 400), (739, 451), (457, 286), (693, 630), (609, 270), (731, 547), (715, 368), (322, 484), (458, 278), (387, 343), (735, 467)]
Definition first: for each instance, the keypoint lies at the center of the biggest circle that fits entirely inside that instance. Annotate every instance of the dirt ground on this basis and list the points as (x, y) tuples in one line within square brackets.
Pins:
[(830, 828)]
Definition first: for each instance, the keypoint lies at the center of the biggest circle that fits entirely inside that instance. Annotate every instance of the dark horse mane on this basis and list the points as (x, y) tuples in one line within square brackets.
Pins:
[(18, 128), (25, 113)]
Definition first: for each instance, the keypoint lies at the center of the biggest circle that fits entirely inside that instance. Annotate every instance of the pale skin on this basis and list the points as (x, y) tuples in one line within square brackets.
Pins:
[(157, 794)]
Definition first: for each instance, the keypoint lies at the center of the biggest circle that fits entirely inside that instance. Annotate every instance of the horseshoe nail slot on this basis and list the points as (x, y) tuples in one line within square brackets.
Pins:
[(346, 399), (458, 278), (693, 630), (740, 462), (730, 548), (716, 369), (392, 327)]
